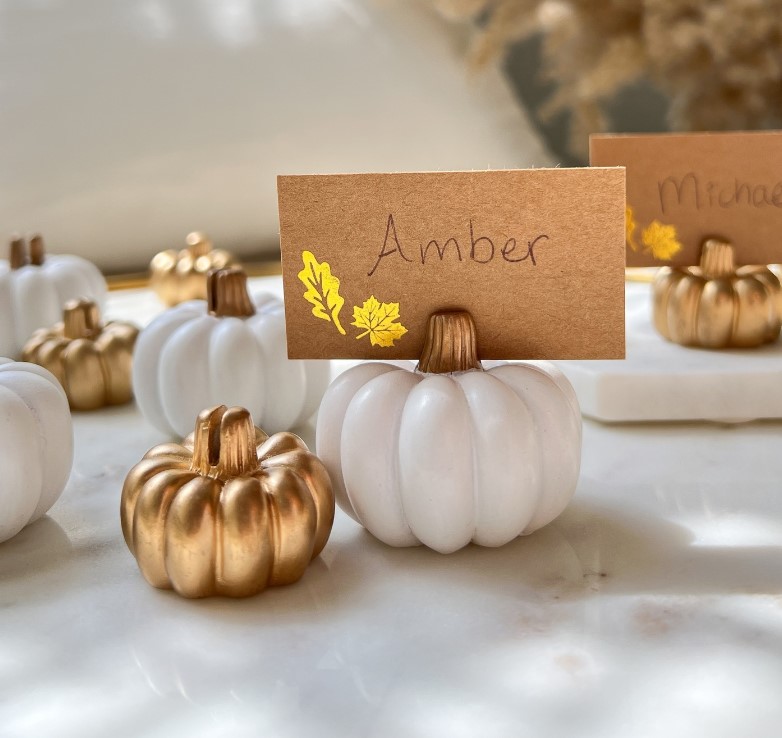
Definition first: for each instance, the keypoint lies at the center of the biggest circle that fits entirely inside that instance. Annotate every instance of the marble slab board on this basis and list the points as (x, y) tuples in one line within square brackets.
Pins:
[(661, 381)]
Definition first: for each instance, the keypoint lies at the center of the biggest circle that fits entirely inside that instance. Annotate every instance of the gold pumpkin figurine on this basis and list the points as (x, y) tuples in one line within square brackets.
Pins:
[(715, 305), (92, 361), (177, 276), (229, 512)]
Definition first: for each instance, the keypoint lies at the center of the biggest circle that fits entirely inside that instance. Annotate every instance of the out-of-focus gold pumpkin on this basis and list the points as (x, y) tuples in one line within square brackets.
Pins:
[(716, 305), (177, 276), (92, 361), (230, 511)]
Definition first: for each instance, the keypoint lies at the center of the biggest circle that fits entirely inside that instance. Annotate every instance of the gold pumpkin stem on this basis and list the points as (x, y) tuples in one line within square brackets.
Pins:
[(451, 344), (717, 259), (198, 244), (226, 293), (81, 319), (238, 455), (37, 251), (224, 443), (17, 252), (206, 439)]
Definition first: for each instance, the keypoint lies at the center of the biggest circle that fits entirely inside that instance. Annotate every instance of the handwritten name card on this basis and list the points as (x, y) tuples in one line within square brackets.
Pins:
[(701, 185), (536, 256)]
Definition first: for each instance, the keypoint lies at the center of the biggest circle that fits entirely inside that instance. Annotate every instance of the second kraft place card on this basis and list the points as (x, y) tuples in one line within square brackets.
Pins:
[(684, 188)]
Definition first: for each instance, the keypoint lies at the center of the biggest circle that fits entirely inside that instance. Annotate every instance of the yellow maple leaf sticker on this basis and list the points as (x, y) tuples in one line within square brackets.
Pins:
[(322, 289), (630, 226), (661, 240), (378, 320)]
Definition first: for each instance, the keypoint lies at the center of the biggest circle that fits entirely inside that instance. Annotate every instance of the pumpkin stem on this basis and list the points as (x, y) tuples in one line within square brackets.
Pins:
[(81, 319), (224, 443), (451, 343), (226, 293), (717, 259), (17, 252), (238, 454), (37, 251), (206, 439), (198, 244)]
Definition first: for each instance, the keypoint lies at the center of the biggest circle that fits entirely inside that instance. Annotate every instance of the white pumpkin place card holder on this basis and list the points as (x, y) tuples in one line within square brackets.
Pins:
[(451, 453), (227, 350), (34, 287), (36, 444)]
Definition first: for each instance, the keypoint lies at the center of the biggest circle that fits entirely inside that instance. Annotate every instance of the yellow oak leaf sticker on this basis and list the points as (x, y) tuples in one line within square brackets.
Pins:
[(379, 321), (322, 289), (630, 226), (661, 240)]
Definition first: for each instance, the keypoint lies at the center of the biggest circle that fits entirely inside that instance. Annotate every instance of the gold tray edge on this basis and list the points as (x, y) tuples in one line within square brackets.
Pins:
[(139, 280)]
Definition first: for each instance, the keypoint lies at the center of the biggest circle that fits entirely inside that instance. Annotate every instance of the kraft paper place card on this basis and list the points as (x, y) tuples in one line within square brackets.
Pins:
[(536, 256), (684, 188)]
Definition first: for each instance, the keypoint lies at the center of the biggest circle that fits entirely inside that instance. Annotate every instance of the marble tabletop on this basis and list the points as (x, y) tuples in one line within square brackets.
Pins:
[(651, 607)]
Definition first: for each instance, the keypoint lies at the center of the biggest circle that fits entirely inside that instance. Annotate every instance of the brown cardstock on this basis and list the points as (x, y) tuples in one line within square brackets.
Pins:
[(536, 256), (727, 185)]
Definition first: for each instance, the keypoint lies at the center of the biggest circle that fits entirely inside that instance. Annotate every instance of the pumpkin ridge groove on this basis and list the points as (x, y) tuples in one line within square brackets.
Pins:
[(395, 435)]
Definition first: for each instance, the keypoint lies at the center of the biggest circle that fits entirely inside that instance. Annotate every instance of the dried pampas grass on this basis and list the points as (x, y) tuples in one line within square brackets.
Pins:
[(718, 61)]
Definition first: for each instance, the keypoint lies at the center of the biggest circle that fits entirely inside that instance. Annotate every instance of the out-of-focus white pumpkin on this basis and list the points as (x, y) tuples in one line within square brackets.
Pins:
[(36, 444), (33, 293), (126, 123), (227, 350)]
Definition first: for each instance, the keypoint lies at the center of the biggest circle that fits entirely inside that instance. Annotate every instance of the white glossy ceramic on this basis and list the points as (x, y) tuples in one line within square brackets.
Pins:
[(126, 125), (33, 297), (36, 444), (187, 360), (446, 459), (652, 608)]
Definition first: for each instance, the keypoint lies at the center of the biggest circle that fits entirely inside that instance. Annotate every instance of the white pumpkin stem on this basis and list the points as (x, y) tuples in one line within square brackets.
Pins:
[(224, 443), (17, 252), (198, 244), (81, 319), (226, 293), (37, 250), (717, 259), (19, 256), (451, 344)]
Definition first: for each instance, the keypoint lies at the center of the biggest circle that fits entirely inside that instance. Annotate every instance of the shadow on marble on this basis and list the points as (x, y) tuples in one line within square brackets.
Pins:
[(590, 549), (33, 549)]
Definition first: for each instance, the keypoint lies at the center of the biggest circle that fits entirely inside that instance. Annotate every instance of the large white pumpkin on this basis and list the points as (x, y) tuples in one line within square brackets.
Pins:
[(35, 288), (228, 350), (445, 458), (36, 444)]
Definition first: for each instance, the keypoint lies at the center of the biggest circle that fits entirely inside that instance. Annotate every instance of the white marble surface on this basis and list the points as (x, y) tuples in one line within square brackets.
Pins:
[(651, 608), (662, 381)]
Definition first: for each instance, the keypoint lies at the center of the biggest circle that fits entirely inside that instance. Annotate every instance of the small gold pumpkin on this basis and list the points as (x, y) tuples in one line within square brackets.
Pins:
[(716, 305), (177, 276), (92, 361), (230, 511)]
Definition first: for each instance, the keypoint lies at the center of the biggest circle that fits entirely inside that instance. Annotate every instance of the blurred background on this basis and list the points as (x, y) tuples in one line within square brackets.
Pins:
[(128, 123)]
